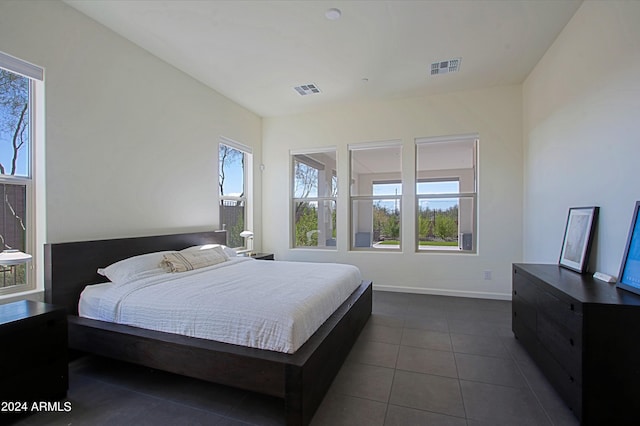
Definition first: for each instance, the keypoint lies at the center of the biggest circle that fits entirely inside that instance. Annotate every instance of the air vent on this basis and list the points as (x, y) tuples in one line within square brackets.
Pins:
[(445, 67), (307, 89)]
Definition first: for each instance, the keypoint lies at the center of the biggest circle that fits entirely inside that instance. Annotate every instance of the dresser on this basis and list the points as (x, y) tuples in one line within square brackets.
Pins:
[(584, 334), (33, 352)]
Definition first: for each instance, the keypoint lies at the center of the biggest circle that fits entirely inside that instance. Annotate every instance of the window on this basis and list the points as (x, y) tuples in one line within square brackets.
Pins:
[(234, 166), (19, 82), (315, 192), (446, 194), (376, 196)]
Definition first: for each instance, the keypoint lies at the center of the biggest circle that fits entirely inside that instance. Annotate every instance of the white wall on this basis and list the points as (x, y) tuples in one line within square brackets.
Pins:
[(131, 142), (582, 132), (495, 114)]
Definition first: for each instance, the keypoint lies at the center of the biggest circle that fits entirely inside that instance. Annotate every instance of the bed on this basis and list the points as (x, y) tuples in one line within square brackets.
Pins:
[(301, 378)]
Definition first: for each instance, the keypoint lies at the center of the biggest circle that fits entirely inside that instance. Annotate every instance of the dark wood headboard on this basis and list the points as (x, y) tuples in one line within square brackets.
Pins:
[(69, 267)]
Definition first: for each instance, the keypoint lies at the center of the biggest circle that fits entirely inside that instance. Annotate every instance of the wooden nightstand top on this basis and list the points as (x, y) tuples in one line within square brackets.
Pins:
[(23, 309)]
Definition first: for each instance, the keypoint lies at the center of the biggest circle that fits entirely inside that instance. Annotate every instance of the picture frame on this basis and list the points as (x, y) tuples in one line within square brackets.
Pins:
[(629, 275), (578, 236)]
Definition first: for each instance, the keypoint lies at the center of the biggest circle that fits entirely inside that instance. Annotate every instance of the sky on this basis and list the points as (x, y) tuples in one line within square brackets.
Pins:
[(234, 176), (6, 156)]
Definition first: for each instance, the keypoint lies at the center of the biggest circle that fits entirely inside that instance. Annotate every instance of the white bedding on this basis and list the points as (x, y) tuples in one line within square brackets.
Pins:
[(90, 299), (262, 304)]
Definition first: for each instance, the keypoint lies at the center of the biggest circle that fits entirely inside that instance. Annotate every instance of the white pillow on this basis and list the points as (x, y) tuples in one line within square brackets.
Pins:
[(135, 268)]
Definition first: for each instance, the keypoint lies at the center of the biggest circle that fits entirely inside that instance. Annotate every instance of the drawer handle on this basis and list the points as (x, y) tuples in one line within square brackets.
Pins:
[(515, 314), (571, 379), (571, 341), (572, 307), (515, 292)]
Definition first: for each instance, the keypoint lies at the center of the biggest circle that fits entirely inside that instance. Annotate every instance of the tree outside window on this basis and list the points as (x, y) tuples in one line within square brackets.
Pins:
[(446, 193), (15, 145), (315, 194), (376, 196), (232, 187)]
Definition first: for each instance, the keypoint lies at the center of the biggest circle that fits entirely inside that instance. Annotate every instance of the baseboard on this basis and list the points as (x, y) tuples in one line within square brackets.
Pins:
[(441, 292)]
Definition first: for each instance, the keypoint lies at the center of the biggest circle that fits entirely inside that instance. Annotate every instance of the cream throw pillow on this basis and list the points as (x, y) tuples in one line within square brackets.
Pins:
[(188, 260)]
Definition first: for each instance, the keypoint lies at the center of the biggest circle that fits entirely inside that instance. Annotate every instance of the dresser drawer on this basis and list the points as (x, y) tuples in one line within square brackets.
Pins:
[(564, 347), (564, 383), (523, 313), (525, 289), (566, 313)]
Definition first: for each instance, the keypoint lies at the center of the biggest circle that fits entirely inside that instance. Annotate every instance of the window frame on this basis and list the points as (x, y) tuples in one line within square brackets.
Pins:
[(448, 176), (33, 181), (357, 197), (319, 199), (247, 198)]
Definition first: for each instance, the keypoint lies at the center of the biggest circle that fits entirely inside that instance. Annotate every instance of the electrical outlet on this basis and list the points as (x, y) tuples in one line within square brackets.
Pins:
[(487, 275)]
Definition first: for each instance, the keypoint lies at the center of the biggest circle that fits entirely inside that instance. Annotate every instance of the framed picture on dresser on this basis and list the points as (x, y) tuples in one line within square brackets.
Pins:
[(578, 236), (629, 276)]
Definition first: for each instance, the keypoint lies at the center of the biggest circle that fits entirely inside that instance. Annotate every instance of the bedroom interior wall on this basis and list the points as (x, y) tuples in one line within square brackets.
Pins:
[(131, 142), (495, 114), (581, 133)]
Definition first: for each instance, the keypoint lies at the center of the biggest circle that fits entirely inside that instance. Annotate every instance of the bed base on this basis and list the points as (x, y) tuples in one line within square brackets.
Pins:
[(300, 379)]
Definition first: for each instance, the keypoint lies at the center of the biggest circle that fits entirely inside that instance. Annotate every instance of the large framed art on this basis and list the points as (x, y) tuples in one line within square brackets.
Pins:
[(578, 236), (629, 276)]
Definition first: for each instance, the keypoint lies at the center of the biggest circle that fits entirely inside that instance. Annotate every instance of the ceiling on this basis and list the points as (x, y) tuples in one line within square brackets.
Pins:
[(255, 52)]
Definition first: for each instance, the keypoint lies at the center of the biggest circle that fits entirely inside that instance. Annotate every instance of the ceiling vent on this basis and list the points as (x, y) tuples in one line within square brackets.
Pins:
[(307, 89), (445, 67)]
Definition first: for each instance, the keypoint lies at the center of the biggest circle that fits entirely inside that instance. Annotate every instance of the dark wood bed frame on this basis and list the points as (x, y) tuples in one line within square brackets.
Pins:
[(300, 379)]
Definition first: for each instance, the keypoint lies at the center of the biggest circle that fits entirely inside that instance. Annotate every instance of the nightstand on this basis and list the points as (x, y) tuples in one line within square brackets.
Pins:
[(33, 358), (263, 256)]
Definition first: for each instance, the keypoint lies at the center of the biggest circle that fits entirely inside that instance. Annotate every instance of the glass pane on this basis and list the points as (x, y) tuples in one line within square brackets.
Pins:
[(315, 224), (443, 162), (14, 124), (314, 175), (376, 224), (376, 167), (334, 185), (231, 171), (306, 181), (438, 187), (12, 230), (232, 219), (387, 188), (446, 155), (446, 224)]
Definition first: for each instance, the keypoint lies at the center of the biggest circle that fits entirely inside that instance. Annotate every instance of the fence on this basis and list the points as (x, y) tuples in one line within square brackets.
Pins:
[(232, 219)]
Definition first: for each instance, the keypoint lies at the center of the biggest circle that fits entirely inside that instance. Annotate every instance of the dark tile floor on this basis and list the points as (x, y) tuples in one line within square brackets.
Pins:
[(421, 360)]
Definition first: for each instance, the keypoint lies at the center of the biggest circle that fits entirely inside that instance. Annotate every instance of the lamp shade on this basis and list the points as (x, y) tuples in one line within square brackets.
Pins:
[(13, 257), (246, 234)]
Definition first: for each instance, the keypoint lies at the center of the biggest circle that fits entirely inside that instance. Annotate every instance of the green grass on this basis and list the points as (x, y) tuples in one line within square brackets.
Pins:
[(422, 243), (439, 243)]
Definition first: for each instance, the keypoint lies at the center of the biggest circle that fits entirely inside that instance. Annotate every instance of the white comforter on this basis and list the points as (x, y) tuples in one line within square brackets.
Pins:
[(263, 304)]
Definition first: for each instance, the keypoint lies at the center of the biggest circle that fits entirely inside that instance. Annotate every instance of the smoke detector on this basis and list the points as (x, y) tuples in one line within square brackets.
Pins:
[(333, 14), (307, 89), (445, 67)]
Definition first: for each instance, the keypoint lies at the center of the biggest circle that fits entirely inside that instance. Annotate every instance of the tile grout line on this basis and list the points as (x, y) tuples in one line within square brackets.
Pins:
[(393, 377), (455, 361), (535, 394)]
